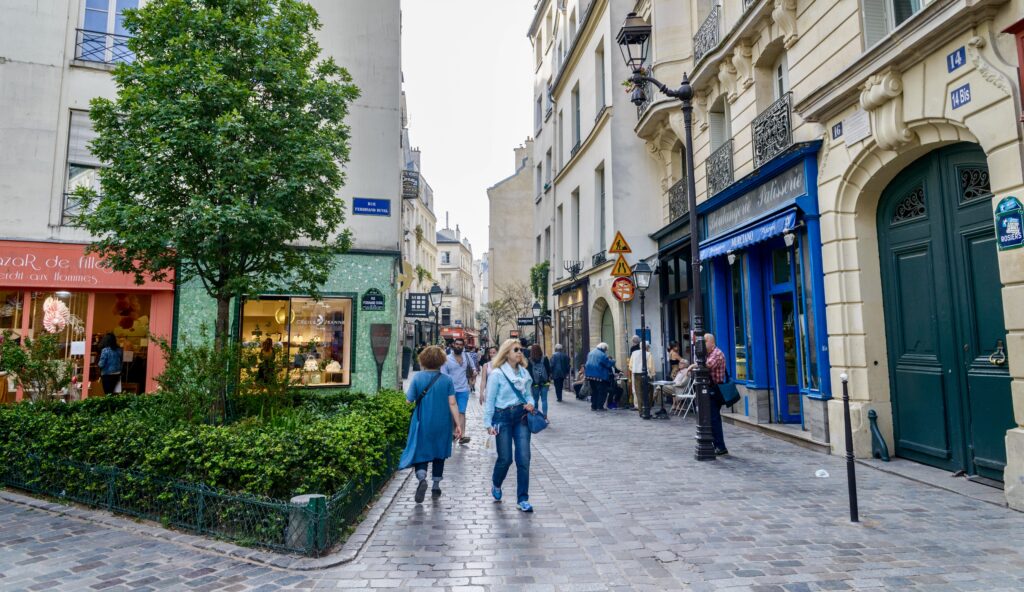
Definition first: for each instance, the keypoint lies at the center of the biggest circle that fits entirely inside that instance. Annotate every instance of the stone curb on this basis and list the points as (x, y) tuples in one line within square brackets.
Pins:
[(348, 552)]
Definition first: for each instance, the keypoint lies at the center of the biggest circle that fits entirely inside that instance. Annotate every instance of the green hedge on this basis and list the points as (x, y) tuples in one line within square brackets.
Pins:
[(307, 444)]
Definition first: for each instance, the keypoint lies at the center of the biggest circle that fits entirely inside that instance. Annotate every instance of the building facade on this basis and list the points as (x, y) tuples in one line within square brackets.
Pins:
[(510, 233), (60, 56), (848, 160), (455, 272), (592, 177)]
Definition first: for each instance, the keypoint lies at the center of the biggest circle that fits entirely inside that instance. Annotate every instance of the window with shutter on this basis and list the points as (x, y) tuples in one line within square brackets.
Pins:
[(83, 167), (875, 14)]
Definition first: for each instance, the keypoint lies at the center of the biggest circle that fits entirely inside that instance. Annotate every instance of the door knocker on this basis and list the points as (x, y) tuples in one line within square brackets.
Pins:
[(998, 357)]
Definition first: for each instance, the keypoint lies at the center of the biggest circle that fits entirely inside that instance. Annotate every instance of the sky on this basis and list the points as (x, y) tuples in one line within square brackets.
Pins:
[(469, 100)]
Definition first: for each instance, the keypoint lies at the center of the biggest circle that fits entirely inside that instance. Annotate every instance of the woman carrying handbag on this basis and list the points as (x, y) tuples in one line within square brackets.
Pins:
[(507, 414)]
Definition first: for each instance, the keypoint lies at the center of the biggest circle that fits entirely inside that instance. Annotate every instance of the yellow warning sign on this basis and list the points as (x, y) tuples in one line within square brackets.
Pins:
[(619, 245), (621, 268)]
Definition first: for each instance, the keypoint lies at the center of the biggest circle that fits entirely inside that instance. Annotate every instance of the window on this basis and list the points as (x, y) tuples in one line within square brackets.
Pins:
[(719, 124), (316, 335), (574, 204), (739, 317), (807, 331), (559, 249), (547, 243), (536, 253), (103, 37), (547, 169), (538, 114), (575, 118), (561, 136), (83, 169), (559, 56), (540, 179), (882, 16), (446, 257), (538, 47), (780, 78), (602, 220), (599, 79)]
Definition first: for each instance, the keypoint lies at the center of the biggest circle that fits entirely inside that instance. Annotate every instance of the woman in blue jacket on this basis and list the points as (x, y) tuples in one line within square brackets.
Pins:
[(109, 363), (504, 415)]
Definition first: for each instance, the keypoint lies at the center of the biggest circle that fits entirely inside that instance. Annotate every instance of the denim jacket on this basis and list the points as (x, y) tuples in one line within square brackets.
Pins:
[(500, 394), (110, 361), (599, 365)]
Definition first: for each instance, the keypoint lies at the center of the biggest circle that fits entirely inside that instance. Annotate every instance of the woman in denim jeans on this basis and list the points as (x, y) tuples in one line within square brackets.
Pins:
[(508, 390)]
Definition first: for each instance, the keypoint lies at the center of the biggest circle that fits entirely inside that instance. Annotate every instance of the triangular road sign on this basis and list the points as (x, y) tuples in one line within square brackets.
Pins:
[(621, 268), (619, 245)]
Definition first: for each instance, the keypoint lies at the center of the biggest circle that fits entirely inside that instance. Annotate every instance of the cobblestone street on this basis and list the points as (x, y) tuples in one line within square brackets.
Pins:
[(620, 505)]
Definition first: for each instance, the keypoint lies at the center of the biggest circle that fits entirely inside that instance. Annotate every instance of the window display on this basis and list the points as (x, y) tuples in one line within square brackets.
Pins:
[(316, 334)]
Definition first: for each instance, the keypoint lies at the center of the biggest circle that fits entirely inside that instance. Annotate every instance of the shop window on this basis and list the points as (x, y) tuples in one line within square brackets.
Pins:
[(63, 314), (805, 302), (12, 304), (780, 266), (882, 16), (739, 318), (315, 334)]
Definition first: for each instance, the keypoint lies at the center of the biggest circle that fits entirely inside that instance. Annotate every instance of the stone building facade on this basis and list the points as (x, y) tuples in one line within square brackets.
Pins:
[(455, 276), (849, 157)]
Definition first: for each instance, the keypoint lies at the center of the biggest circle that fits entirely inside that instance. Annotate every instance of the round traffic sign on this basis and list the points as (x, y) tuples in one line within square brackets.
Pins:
[(623, 289)]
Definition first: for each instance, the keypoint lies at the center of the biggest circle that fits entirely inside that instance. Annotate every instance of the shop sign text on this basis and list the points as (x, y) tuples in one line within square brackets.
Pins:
[(373, 300), (753, 204), (1010, 223), (60, 265)]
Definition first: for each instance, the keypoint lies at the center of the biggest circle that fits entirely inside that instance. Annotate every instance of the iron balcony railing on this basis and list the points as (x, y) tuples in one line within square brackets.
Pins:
[(708, 35), (748, 3), (575, 148), (678, 204), (105, 48), (772, 130), (599, 258), (719, 169), (71, 210)]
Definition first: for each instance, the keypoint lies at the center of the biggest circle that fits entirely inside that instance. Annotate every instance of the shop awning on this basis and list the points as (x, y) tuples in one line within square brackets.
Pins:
[(755, 233)]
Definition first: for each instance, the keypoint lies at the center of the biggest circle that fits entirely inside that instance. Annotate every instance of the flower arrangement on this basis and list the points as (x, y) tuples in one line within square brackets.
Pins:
[(56, 315)]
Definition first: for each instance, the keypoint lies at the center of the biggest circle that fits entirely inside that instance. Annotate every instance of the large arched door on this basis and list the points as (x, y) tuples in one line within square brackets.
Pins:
[(944, 314)]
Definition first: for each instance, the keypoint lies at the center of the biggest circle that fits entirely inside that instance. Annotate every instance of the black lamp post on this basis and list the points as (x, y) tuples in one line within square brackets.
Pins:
[(538, 328), (634, 42), (642, 278), (436, 293)]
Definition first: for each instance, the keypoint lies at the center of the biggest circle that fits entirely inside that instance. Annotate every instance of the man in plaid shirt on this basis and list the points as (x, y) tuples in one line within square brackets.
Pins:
[(716, 365)]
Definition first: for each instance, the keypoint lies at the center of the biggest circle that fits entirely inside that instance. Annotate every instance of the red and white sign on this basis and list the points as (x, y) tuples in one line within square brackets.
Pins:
[(623, 289), (65, 266)]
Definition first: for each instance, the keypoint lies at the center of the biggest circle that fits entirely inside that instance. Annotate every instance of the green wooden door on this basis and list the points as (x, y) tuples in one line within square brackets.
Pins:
[(944, 314)]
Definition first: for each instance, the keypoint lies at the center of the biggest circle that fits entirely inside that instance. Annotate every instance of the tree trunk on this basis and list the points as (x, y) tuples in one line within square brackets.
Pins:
[(221, 339)]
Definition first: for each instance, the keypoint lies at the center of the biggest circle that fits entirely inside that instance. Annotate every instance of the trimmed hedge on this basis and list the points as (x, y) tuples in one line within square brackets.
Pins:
[(308, 444)]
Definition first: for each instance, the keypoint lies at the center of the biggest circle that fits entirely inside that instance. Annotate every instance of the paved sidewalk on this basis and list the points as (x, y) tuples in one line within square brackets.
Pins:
[(621, 505)]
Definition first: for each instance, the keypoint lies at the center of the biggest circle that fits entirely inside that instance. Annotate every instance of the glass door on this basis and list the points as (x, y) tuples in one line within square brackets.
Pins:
[(785, 338)]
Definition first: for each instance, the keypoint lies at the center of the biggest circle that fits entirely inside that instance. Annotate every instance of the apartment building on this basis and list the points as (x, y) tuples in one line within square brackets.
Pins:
[(848, 158), (455, 272), (592, 177)]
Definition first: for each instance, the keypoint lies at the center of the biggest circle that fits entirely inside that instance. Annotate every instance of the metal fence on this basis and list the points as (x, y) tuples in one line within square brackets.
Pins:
[(307, 529)]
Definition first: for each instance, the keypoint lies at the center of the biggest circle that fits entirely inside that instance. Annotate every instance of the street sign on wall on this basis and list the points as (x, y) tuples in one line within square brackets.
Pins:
[(417, 305), (621, 268), (1009, 223), (524, 321), (619, 245), (623, 289)]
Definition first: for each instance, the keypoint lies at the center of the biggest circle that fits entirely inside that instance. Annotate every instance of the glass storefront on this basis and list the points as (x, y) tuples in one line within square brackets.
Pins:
[(316, 334), (571, 329)]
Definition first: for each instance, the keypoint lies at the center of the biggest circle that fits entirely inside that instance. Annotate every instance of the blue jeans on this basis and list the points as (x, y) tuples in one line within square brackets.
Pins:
[(512, 430), (540, 398)]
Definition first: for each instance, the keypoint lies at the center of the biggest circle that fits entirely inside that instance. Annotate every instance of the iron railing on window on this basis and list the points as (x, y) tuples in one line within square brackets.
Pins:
[(308, 529), (599, 258), (772, 130), (71, 210), (105, 48), (575, 148), (678, 204), (719, 168), (708, 35)]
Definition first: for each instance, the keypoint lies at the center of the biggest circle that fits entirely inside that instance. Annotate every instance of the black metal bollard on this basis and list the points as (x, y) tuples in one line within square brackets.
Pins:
[(851, 471)]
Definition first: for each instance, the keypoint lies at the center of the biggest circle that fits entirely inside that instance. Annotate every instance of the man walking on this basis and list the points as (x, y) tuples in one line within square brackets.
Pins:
[(559, 370), (599, 374), (461, 370), (636, 369)]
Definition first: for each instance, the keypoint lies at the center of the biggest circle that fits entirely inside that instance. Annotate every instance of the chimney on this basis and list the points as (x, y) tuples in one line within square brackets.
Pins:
[(523, 152), (458, 233), (416, 157), (446, 220)]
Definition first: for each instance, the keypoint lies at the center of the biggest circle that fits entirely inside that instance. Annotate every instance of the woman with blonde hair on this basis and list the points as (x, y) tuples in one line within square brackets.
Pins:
[(430, 430), (505, 417)]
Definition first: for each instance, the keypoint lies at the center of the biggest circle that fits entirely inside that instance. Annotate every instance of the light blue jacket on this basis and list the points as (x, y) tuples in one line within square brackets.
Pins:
[(500, 393)]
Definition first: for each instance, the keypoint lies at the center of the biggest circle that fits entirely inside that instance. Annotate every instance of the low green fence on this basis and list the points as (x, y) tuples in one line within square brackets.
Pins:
[(307, 529)]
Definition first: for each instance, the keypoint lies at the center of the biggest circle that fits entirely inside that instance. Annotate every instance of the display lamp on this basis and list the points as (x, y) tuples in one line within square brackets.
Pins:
[(642, 275), (790, 237), (436, 293), (634, 40), (731, 256)]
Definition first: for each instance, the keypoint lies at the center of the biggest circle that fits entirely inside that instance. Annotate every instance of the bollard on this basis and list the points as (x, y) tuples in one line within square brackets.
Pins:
[(305, 523), (851, 472)]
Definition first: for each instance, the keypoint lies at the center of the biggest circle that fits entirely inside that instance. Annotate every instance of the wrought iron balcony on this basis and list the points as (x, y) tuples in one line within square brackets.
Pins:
[(72, 208), (708, 35), (599, 258), (772, 130), (719, 169), (678, 204), (105, 48), (575, 149)]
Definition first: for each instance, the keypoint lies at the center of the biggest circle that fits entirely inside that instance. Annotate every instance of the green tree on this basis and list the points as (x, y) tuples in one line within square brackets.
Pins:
[(225, 145)]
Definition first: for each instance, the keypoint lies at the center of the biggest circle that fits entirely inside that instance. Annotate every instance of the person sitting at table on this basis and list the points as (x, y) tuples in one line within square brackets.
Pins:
[(581, 379)]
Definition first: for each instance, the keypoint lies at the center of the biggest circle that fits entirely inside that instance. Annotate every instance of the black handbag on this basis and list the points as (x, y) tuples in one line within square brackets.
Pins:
[(728, 391)]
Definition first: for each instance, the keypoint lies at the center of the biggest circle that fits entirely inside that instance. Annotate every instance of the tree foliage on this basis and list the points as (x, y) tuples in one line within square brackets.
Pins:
[(225, 145), (511, 301)]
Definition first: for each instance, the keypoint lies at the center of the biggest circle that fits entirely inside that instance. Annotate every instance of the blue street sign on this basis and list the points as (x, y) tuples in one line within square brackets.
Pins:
[(961, 96), (1010, 223), (956, 59), (362, 206)]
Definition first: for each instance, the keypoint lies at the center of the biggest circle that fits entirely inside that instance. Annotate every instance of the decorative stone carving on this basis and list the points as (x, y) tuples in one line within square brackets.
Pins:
[(882, 97), (727, 79), (676, 124), (985, 68), (700, 110), (784, 15), (742, 61), (659, 148)]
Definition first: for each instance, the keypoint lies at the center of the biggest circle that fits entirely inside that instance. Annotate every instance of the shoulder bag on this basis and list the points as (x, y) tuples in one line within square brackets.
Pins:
[(423, 393), (728, 391), (535, 421)]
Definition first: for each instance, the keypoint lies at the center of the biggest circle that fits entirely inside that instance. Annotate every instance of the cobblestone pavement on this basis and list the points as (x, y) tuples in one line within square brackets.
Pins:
[(620, 505)]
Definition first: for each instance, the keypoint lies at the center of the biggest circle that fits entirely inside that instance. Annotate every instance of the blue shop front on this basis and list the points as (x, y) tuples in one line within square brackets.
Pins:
[(766, 295)]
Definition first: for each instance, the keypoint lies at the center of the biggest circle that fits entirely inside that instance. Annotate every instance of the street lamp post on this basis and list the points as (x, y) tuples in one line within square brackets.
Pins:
[(538, 328), (642, 278), (436, 294), (634, 42)]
